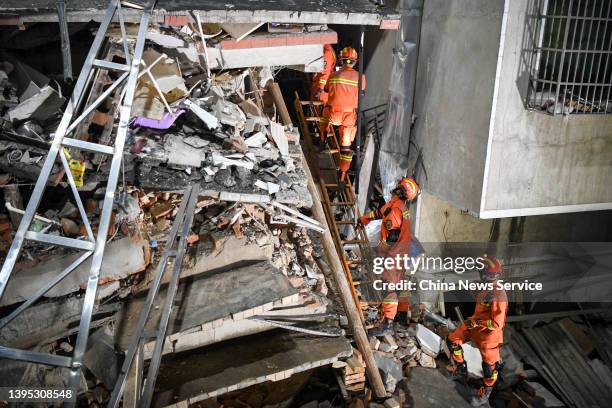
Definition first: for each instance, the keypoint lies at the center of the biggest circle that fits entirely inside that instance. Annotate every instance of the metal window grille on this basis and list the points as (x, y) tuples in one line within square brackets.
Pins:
[(570, 59)]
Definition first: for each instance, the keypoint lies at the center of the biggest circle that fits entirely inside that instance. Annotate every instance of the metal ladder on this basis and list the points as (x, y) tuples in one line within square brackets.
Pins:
[(92, 246), (141, 392), (334, 195)]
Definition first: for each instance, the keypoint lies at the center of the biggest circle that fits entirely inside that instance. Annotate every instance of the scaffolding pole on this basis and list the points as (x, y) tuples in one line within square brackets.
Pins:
[(92, 246)]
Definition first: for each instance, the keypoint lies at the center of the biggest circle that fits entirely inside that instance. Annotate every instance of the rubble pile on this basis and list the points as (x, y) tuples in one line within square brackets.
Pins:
[(189, 125), (417, 345), (552, 103)]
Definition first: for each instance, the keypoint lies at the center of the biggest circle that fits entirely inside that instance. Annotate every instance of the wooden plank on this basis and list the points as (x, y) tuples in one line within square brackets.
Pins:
[(274, 89), (346, 291)]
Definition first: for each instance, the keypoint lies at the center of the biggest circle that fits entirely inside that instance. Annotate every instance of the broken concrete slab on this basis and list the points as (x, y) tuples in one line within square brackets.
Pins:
[(209, 297), (232, 327), (50, 320), (181, 154), (472, 356), (122, 258), (100, 357), (278, 135), (40, 106), (164, 40), (196, 141), (229, 113), (431, 389), (428, 339), (425, 360), (305, 56), (209, 120), (264, 357), (391, 369), (256, 140), (218, 160)]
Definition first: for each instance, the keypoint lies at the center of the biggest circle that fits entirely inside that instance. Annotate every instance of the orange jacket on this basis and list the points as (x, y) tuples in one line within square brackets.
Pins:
[(329, 63), (342, 86), (394, 215), (490, 317)]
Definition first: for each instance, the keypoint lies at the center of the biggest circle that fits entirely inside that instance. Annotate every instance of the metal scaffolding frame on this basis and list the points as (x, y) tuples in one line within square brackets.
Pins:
[(143, 394), (93, 246)]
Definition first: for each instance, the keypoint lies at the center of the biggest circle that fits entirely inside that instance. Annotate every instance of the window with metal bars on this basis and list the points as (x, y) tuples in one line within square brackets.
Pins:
[(570, 58)]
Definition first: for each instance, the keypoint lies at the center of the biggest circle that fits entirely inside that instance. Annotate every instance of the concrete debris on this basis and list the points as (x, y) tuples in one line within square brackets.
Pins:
[(121, 259), (41, 106), (224, 177), (166, 41), (182, 154), (229, 113), (428, 339), (210, 120), (249, 231), (390, 367), (426, 360), (392, 403), (195, 141), (256, 140), (472, 356), (278, 134), (219, 160), (250, 108), (100, 357)]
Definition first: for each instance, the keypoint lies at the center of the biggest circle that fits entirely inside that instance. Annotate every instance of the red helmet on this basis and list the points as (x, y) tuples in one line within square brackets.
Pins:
[(492, 267), (408, 188), (349, 54)]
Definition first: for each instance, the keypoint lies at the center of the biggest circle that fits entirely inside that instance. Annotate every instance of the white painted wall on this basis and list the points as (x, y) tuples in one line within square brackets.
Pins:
[(538, 163)]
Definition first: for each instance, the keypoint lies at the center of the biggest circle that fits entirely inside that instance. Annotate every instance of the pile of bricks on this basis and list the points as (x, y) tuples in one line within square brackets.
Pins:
[(352, 372)]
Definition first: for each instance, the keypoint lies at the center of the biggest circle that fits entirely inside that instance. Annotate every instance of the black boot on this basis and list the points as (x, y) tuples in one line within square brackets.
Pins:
[(459, 372), (482, 397), (385, 328)]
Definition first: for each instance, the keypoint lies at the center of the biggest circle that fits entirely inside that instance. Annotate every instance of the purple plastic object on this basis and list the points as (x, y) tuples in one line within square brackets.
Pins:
[(165, 123)]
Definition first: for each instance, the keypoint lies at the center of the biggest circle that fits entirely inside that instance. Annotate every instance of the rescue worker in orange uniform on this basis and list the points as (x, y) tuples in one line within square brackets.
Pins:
[(341, 106), (395, 238), (485, 328), (317, 87)]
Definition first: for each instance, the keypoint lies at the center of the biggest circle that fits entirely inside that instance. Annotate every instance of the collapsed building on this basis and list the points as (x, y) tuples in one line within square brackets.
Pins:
[(233, 271)]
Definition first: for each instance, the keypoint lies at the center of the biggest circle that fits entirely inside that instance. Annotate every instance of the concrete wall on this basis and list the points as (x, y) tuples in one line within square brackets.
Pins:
[(455, 84), (538, 163), (438, 221)]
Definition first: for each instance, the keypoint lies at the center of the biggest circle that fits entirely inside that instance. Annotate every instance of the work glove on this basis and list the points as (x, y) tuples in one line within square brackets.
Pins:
[(364, 219), (472, 324)]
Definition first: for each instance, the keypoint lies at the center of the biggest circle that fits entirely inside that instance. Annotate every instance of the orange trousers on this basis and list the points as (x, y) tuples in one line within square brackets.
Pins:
[(490, 352), (393, 303), (346, 122)]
